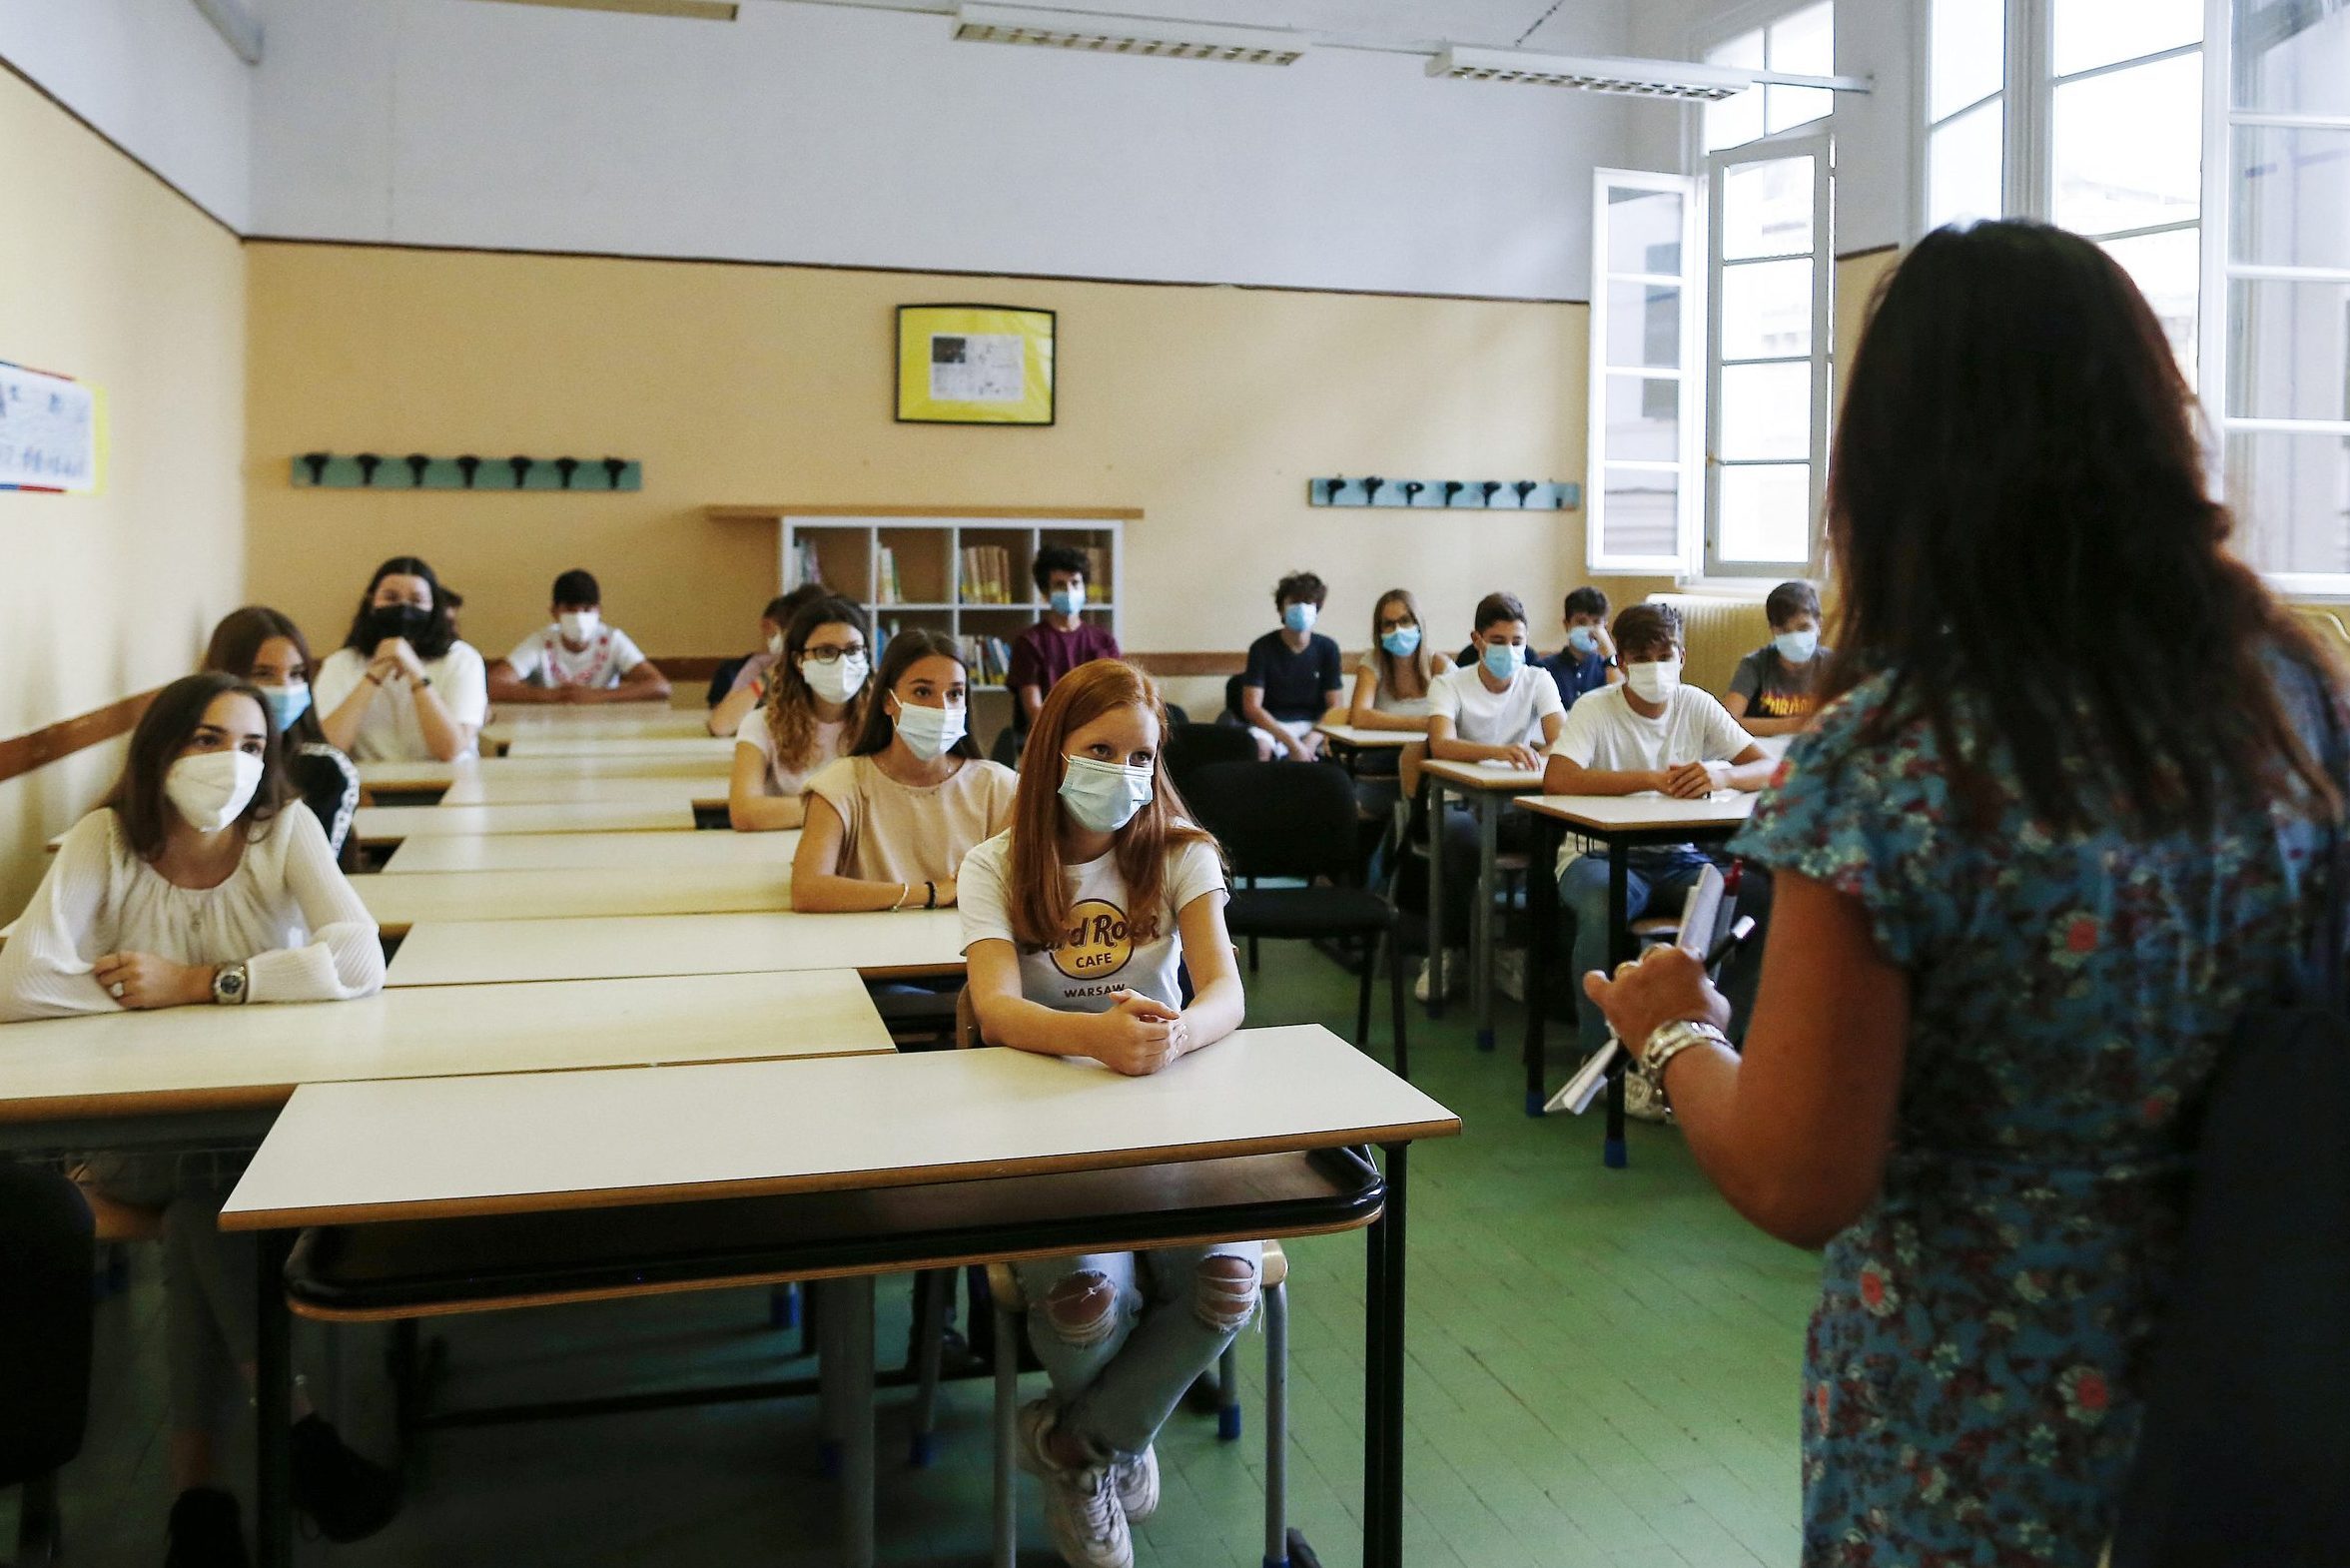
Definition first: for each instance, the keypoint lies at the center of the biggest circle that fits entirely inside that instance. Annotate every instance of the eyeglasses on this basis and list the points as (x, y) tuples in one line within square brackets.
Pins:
[(1397, 623), (832, 655)]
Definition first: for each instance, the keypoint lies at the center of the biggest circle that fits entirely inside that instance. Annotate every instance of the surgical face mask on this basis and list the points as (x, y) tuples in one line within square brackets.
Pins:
[(1503, 660), (1300, 617), (1402, 642), (1583, 640), (1797, 647), (1655, 683), (929, 732), (287, 704), (1104, 796), (838, 680), (410, 621), (1067, 601), (580, 625), (211, 789), (775, 644)]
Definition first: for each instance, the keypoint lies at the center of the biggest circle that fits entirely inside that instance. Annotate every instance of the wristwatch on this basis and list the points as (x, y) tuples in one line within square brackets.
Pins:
[(229, 986), (1669, 1042)]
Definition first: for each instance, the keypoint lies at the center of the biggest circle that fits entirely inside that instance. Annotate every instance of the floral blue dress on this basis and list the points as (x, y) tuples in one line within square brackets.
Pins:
[(1972, 1372)]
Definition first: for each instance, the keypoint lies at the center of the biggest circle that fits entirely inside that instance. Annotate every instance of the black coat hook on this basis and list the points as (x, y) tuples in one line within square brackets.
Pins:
[(418, 463), (368, 462), (613, 469), (521, 468), (566, 466), (1525, 487), (1371, 489), (468, 466), (315, 462), (1452, 488), (1411, 491), (1488, 487)]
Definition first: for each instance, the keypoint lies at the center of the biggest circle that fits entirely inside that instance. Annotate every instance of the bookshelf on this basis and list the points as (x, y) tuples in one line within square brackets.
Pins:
[(963, 571)]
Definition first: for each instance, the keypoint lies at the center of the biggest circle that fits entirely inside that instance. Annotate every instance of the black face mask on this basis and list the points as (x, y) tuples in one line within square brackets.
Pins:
[(399, 620)]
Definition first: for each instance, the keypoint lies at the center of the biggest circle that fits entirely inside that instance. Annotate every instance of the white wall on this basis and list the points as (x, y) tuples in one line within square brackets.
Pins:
[(154, 77), (827, 135)]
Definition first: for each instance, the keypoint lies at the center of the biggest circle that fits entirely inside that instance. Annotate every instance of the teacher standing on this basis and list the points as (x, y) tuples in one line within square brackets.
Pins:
[(2042, 850)]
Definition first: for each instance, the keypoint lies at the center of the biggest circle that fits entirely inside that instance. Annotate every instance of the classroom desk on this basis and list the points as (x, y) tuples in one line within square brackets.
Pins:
[(515, 721), (1486, 787), (116, 1080), (1350, 742), (1617, 823), (572, 893), (914, 942), (380, 827), (484, 788), (696, 747), (448, 1157), (420, 776), (598, 851)]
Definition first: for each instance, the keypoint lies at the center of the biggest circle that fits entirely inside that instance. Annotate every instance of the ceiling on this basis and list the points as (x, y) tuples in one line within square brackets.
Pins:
[(1585, 24)]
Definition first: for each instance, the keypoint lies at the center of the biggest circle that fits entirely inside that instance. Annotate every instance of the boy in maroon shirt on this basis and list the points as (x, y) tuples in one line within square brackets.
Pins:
[(1061, 641)]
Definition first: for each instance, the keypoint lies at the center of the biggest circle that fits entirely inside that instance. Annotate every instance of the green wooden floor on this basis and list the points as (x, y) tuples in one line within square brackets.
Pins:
[(1603, 1373)]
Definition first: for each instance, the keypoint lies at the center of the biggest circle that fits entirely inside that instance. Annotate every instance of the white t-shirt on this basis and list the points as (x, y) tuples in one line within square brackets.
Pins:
[(1603, 732), (755, 732), (1510, 717), (389, 731), (546, 658), (1108, 947)]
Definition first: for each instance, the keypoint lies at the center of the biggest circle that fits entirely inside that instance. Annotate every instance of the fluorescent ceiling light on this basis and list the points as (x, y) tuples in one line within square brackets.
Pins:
[(694, 10), (1674, 79), (1127, 35)]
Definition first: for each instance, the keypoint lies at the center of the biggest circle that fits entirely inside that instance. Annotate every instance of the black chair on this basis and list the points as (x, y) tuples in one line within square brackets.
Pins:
[(1296, 820), (1190, 747), (46, 1236), (1231, 712)]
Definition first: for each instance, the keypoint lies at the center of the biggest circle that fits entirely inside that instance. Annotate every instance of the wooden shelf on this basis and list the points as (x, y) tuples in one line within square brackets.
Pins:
[(737, 512)]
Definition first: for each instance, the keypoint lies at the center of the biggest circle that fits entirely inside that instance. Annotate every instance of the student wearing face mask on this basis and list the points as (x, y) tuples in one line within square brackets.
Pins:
[(1651, 734), (1061, 639), (815, 705), (263, 647), (1394, 681), (1777, 686), (1588, 661), (1294, 676), (580, 658), (1075, 923), (739, 683), (198, 882), (402, 687), (888, 824)]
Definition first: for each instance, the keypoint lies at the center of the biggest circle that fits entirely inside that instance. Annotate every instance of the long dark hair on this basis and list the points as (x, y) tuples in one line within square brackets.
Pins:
[(2017, 512), (907, 649), (237, 642), (790, 703), (138, 797), (436, 639)]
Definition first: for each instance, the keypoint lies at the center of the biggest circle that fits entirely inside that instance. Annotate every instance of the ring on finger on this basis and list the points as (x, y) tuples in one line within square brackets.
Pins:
[(1627, 967), (116, 989)]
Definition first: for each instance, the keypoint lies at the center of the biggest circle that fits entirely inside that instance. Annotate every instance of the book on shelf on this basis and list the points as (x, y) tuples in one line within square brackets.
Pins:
[(1096, 574), (887, 587), (986, 574), (987, 659), (805, 567)]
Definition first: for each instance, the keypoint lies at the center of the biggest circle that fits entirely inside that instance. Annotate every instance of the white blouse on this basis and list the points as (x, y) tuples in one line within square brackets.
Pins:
[(285, 913), (389, 730)]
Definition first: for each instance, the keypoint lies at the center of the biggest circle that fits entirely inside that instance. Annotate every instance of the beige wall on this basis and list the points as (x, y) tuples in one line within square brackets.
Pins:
[(107, 275), (1209, 408)]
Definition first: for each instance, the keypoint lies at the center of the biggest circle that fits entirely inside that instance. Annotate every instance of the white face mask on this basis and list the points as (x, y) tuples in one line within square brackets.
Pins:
[(1654, 682), (775, 645), (1104, 796), (211, 789), (580, 625), (838, 681), (929, 732)]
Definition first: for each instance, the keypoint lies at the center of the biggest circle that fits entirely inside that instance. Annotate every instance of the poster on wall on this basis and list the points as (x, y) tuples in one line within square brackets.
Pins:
[(974, 364), (49, 432)]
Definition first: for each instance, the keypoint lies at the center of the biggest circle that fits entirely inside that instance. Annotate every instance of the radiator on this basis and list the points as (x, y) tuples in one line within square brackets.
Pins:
[(1720, 632)]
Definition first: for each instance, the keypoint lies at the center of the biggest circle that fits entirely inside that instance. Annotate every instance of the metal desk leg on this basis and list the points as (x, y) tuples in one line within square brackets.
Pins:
[(1488, 805), (1614, 1155), (1435, 792), (273, 1446), (1382, 1508), (855, 1341), (1541, 945)]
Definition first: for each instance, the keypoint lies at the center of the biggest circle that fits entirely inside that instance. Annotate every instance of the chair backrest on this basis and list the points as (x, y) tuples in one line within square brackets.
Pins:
[(1231, 713), (1190, 747), (45, 1235), (1279, 819)]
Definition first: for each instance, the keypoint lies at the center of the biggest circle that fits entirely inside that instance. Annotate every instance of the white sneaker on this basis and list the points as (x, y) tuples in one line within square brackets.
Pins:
[(1456, 965), (1509, 972), (1642, 1103), (1081, 1506), (1137, 1484)]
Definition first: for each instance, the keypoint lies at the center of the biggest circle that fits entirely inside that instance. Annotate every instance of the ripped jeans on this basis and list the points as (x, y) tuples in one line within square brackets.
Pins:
[(1123, 1335)]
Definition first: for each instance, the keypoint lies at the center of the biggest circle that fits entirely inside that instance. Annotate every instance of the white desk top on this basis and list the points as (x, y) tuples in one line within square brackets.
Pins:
[(572, 893), (182, 1059), (353, 1153), (483, 788), (532, 748), (1722, 808), (600, 721), (600, 850), (568, 765), (1491, 776), (1370, 739), (397, 824), (475, 953)]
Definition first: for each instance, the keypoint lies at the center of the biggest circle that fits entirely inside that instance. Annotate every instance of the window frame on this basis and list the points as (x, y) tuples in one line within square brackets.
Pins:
[(1692, 282)]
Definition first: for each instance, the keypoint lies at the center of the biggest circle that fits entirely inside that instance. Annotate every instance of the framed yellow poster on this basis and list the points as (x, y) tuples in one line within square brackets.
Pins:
[(974, 364)]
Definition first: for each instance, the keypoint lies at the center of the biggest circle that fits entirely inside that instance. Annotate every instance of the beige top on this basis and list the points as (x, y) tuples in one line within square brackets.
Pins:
[(783, 778), (908, 833)]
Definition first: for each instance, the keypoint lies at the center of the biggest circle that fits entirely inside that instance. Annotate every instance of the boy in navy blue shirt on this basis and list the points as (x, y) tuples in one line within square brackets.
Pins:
[(1294, 674), (1588, 661)]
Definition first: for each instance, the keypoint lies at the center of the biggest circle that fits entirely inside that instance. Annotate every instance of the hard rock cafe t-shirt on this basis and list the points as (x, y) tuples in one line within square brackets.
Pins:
[(1109, 946)]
